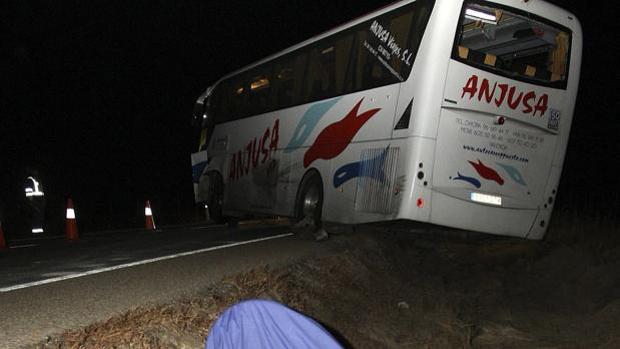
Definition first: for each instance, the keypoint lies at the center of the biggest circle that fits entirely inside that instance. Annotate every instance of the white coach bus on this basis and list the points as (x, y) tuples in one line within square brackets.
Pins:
[(455, 113)]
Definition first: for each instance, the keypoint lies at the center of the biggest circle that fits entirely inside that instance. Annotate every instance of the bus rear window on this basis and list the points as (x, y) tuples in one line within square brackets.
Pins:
[(513, 43)]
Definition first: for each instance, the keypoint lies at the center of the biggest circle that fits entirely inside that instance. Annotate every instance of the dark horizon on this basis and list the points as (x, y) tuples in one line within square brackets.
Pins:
[(97, 97)]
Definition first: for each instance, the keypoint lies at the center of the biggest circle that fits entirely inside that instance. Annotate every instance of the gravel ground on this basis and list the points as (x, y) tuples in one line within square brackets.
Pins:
[(386, 288)]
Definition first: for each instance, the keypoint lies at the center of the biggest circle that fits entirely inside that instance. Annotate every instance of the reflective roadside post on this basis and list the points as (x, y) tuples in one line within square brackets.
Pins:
[(36, 202), (148, 215), (71, 231)]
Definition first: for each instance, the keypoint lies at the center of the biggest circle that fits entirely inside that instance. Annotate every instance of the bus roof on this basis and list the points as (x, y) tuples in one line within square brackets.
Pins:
[(319, 36), (540, 7)]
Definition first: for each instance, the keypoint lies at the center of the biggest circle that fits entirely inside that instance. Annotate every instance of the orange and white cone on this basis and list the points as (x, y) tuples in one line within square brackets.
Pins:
[(3, 245), (72, 234), (148, 214)]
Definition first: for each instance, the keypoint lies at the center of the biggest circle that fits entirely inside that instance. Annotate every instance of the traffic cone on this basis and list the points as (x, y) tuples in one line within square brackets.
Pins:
[(72, 229), (3, 245), (148, 214)]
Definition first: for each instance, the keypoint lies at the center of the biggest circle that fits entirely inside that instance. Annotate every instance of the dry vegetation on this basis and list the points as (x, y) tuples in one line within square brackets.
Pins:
[(383, 288)]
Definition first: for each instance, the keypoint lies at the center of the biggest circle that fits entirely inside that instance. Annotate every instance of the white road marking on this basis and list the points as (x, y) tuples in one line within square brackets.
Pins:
[(209, 227), (133, 264), (23, 246)]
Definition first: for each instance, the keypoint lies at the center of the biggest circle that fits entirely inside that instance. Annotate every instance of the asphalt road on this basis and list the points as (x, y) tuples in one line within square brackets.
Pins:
[(55, 286)]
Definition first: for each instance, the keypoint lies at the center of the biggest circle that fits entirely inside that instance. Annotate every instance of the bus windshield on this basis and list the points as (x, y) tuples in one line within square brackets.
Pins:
[(513, 43)]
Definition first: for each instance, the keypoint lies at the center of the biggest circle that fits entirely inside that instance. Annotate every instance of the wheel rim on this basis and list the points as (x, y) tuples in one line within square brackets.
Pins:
[(311, 201)]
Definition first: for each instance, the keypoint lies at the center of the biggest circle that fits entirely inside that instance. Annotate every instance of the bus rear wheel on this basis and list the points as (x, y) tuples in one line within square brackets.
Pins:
[(309, 208)]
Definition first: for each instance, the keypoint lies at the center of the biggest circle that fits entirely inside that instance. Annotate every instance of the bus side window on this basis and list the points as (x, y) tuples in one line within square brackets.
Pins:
[(401, 28), (369, 71), (288, 80), (284, 83), (329, 68), (320, 81), (236, 98), (375, 65), (215, 105), (300, 69), (259, 94), (223, 97), (343, 63)]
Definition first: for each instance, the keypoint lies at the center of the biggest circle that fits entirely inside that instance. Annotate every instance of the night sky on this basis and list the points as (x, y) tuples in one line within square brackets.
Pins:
[(97, 95)]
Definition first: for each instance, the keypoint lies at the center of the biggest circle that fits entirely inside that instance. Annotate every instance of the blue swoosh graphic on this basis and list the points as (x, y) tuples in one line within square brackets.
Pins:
[(372, 168), (513, 173), (308, 122), (471, 180), (197, 170)]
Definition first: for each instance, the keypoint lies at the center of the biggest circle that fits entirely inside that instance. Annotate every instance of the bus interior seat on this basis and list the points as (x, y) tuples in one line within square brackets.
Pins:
[(463, 52), (490, 59), (476, 56), (543, 74), (530, 70)]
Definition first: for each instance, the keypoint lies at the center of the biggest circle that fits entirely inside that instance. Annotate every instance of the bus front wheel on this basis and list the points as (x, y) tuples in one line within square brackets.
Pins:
[(216, 198)]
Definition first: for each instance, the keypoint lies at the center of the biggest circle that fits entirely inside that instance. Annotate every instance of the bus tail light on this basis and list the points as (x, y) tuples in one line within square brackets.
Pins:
[(420, 203)]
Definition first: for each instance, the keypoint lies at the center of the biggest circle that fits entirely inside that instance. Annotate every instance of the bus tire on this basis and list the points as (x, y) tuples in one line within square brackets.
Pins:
[(309, 205), (216, 198)]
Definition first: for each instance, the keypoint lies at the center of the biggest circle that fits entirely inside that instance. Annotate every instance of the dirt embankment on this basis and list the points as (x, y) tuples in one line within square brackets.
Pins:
[(381, 289)]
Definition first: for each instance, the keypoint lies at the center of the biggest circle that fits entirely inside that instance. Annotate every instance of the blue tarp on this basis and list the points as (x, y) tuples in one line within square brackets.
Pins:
[(262, 324)]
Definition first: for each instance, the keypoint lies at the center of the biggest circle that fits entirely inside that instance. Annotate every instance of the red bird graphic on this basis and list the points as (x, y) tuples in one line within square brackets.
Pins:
[(335, 138), (487, 172)]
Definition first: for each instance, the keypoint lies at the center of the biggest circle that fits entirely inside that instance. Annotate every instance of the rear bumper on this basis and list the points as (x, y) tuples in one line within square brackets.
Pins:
[(463, 214)]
